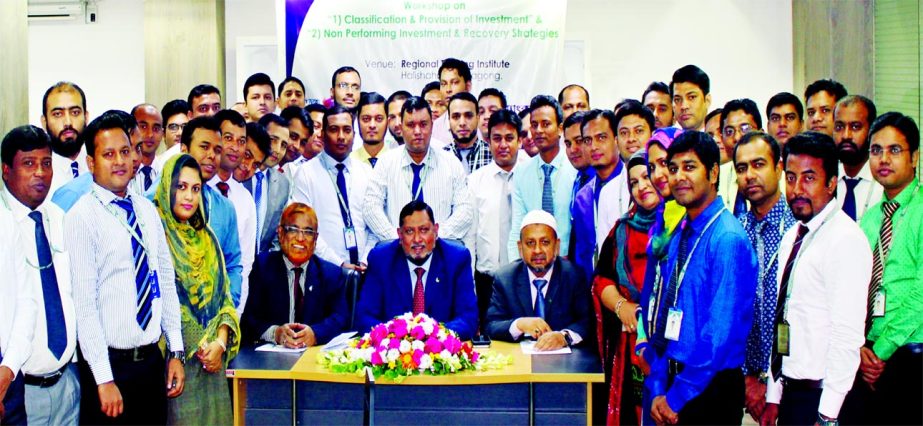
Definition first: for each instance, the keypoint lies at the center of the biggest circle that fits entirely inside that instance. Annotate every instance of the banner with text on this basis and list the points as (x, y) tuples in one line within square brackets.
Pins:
[(513, 45)]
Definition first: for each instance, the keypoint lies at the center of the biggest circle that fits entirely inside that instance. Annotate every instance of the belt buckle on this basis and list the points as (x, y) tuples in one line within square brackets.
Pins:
[(136, 355)]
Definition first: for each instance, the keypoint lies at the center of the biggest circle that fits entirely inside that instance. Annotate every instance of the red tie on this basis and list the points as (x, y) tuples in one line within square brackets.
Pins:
[(418, 301)]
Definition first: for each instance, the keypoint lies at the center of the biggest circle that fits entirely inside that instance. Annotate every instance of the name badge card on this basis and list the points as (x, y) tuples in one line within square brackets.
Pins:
[(349, 236), (782, 338), (878, 304), (674, 322)]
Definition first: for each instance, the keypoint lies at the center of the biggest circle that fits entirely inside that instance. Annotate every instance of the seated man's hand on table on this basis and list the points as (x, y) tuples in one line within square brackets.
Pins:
[(295, 336), (533, 326)]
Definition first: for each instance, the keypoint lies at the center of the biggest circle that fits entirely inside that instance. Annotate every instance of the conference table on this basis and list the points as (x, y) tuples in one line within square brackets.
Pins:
[(292, 388)]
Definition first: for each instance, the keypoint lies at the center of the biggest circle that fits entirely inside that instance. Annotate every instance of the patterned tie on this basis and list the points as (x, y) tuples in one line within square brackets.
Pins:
[(258, 200), (419, 301), (147, 170), (416, 182), (74, 169), (882, 249), (372, 161), (145, 294), (849, 202), (54, 313), (298, 294), (547, 192), (539, 297), (344, 210), (224, 188), (659, 339), (776, 364), (505, 216)]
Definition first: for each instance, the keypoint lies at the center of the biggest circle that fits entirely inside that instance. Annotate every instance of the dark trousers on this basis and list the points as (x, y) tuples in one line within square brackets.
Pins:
[(484, 287), (14, 403), (897, 395), (143, 388), (721, 403), (799, 405)]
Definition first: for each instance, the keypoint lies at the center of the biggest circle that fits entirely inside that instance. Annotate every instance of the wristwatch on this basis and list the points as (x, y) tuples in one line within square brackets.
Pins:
[(180, 355), (567, 337), (825, 421)]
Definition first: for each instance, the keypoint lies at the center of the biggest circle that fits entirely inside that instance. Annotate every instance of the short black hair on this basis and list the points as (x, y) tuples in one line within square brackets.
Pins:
[(561, 93), (343, 70), (833, 87), (63, 86), (309, 108), (703, 145), (464, 71), (605, 114), (203, 122), (492, 91), (174, 107), (463, 96), (260, 136), (112, 119), (656, 86), (544, 100), (199, 90), (504, 116), (785, 98), (399, 95), (524, 112), (272, 118), (691, 74), (633, 107), (859, 99), (335, 110), (716, 111), (817, 145), (575, 118), (370, 98), (230, 115), (413, 207), (297, 113), (290, 79), (429, 87), (415, 103), (747, 105), (22, 139), (903, 124), (754, 136), (258, 79)]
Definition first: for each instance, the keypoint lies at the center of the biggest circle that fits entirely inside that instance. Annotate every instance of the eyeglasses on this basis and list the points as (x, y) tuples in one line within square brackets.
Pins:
[(173, 127), (294, 231), (344, 86), (893, 150), (729, 131)]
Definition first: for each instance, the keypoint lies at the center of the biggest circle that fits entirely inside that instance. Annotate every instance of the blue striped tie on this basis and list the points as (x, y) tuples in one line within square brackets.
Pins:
[(145, 296), (547, 194)]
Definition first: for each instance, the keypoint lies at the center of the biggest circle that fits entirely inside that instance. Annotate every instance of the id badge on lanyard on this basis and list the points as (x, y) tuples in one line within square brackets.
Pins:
[(349, 237), (674, 323)]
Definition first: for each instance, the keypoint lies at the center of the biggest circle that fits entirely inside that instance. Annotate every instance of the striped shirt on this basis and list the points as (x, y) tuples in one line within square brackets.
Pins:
[(102, 269)]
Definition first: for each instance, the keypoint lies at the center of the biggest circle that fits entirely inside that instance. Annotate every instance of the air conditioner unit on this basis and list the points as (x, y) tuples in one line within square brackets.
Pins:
[(56, 9)]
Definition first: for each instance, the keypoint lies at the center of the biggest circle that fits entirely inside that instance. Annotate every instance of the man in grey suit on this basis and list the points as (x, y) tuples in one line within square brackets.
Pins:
[(540, 295), (269, 186)]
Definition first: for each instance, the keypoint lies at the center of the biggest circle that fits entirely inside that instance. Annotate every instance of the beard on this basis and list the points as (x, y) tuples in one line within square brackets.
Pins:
[(464, 141), (66, 148), (853, 156), (398, 139)]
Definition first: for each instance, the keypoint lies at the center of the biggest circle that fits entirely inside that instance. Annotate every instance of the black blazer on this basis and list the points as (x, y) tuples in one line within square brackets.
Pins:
[(267, 305), (567, 302)]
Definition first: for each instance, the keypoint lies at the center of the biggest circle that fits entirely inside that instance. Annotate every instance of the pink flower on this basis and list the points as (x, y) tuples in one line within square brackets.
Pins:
[(399, 328), (417, 354), (452, 344), (394, 343), (418, 333), (433, 345), (475, 356), (378, 333), (376, 358)]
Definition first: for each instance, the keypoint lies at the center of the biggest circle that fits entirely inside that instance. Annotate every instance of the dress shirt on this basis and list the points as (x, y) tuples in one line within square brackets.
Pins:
[(716, 298), (103, 274), (413, 275), (527, 196), (902, 280), (17, 299), (765, 236), (68, 194), (727, 184), (597, 206), (441, 131), (137, 183), (475, 157), (161, 159), (828, 289), (486, 188), (442, 180), (63, 172), (514, 331), (291, 168), (363, 156), (246, 230), (315, 185), (42, 361), (868, 191), (270, 334), (223, 220)]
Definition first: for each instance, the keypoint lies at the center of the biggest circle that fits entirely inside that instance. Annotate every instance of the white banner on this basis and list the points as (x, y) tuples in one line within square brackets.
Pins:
[(513, 45)]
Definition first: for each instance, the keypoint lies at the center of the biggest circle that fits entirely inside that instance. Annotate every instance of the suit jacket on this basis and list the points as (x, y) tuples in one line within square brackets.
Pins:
[(449, 294), (277, 193), (567, 303), (324, 308)]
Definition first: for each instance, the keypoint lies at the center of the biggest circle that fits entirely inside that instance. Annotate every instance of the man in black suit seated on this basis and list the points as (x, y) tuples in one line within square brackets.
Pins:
[(296, 298), (541, 295)]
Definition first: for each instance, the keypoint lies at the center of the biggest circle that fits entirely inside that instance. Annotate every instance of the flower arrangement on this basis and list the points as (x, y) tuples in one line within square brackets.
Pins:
[(406, 346)]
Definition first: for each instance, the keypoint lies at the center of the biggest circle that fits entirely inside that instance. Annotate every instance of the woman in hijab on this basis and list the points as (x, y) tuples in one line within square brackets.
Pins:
[(617, 289), (210, 326)]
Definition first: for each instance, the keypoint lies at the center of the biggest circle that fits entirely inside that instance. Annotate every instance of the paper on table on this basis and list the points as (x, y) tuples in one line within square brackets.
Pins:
[(269, 347), (339, 342), (528, 348)]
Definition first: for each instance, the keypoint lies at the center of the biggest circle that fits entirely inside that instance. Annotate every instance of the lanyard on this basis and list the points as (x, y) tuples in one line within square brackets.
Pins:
[(682, 272), (122, 221), (341, 199)]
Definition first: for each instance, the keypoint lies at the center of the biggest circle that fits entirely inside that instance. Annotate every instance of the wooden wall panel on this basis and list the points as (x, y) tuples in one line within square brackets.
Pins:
[(14, 67)]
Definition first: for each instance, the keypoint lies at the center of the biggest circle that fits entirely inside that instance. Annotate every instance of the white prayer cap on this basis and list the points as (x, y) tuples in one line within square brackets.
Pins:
[(539, 217)]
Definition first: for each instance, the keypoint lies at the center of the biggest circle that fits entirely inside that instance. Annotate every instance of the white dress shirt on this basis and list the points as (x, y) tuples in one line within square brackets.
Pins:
[(161, 159), (137, 183), (17, 302), (290, 169), (614, 201), (514, 330), (103, 274), (42, 361), (413, 275), (63, 172), (868, 191), (315, 185), (727, 185), (246, 229), (486, 191), (442, 180), (826, 307)]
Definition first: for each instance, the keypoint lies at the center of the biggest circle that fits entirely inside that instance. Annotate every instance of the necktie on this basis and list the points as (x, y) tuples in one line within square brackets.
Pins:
[(849, 202), (776, 365), (882, 249), (659, 340), (147, 170), (298, 294), (344, 209), (416, 182), (372, 161), (74, 169), (54, 313), (223, 187), (547, 192), (505, 215), (258, 200), (419, 300), (145, 296), (539, 297)]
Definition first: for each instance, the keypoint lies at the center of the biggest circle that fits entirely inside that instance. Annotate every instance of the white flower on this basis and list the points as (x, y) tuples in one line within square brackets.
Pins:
[(427, 327), (405, 346), (445, 354), (417, 344), (384, 342), (426, 362), (393, 354), (441, 336)]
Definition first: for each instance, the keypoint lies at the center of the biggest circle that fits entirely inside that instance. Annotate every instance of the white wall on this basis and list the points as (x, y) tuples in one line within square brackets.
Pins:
[(246, 19), (106, 59)]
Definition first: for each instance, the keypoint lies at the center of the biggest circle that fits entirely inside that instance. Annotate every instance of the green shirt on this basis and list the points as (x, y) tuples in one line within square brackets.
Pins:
[(902, 281)]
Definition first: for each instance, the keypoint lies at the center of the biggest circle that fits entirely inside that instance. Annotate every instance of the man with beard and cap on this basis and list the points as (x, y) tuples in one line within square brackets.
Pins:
[(64, 115), (856, 190)]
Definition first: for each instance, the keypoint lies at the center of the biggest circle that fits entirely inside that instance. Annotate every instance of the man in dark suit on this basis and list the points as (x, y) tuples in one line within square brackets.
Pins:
[(419, 272), (296, 298), (540, 295)]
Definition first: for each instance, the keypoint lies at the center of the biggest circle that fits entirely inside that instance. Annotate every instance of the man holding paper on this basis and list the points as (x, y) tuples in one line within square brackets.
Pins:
[(312, 289)]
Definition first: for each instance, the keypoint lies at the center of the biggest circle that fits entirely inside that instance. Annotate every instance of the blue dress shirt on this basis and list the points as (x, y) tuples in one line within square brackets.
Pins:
[(66, 196)]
